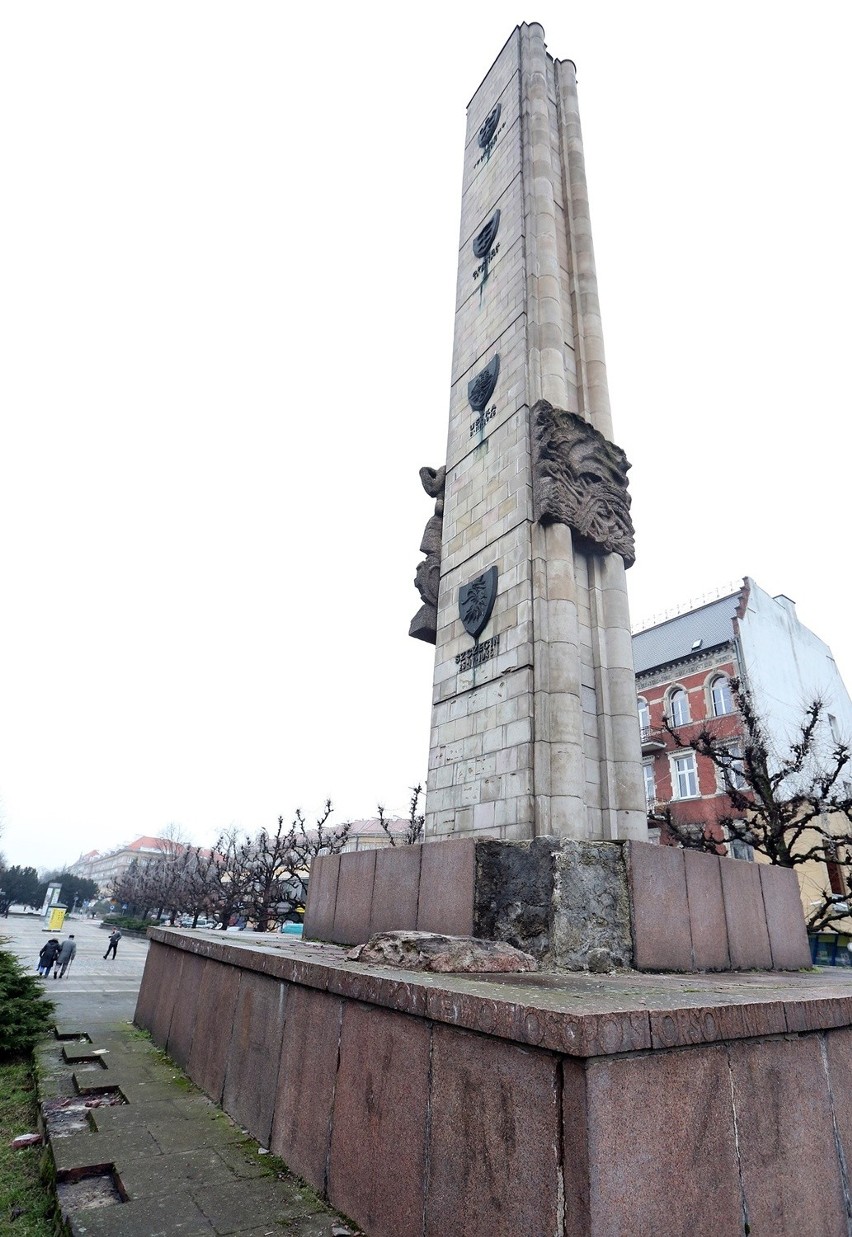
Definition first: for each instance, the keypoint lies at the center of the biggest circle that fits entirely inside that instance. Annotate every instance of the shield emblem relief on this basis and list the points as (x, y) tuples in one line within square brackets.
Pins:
[(476, 601)]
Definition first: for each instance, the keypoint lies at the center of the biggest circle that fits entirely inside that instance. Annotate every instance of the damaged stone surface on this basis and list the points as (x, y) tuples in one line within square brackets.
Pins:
[(563, 901), (514, 893), (591, 907), (448, 955)]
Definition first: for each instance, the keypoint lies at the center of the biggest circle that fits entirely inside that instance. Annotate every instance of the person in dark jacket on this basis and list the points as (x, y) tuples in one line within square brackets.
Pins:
[(112, 944), (67, 950), (47, 956)]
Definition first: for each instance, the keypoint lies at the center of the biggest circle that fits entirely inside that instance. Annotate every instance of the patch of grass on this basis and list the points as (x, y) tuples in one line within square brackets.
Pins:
[(27, 1013), (27, 1205)]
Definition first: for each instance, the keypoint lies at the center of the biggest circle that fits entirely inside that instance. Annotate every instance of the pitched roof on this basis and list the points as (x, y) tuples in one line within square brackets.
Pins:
[(147, 843), (707, 627)]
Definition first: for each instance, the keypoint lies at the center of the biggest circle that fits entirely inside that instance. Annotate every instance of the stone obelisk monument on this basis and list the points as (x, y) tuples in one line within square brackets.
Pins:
[(534, 726)]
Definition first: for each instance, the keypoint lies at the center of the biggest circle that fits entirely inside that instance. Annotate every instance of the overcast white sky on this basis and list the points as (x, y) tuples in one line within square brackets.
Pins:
[(228, 238)]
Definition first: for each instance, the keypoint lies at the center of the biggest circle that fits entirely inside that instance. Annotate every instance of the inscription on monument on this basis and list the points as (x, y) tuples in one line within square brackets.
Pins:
[(471, 658), (482, 269), (580, 479), (477, 426)]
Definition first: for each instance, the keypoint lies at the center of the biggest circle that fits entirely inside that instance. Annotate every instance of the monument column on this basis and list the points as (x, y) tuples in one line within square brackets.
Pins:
[(534, 727)]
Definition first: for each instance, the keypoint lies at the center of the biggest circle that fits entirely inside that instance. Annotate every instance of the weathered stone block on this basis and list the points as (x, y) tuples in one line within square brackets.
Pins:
[(396, 889), (591, 909), (380, 1107), (185, 1012), (659, 906), (249, 1091), (447, 871), (217, 997), (788, 1157), (514, 893), (785, 919), (664, 1185), (322, 898), (748, 937), (706, 912), (307, 1072), (494, 1137), (354, 898)]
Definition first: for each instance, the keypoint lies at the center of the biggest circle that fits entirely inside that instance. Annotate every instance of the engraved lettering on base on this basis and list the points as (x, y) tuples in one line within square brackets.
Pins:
[(471, 658), (580, 479)]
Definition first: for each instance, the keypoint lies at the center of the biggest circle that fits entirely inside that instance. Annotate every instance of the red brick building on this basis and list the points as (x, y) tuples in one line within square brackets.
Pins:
[(684, 667)]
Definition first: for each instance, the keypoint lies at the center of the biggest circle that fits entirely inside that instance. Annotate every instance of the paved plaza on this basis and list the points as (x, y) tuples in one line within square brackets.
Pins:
[(90, 986), (139, 1151)]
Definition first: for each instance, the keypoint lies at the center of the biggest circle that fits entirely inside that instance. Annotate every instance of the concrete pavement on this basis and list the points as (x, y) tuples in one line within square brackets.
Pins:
[(138, 1150)]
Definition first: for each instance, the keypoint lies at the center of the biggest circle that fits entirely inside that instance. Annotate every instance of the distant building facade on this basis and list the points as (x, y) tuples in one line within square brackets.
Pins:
[(684, 667), (105, 869)]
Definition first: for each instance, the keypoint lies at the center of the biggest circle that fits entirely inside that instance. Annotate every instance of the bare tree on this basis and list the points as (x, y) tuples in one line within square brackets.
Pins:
[(416, 820), (791, 807), (319, 839)]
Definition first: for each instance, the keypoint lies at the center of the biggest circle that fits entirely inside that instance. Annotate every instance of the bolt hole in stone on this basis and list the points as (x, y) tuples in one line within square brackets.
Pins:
[(81, 1189)]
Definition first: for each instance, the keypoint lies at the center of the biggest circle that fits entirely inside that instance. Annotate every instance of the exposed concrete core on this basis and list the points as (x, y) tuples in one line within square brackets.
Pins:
[(558, 899), (591, 907)]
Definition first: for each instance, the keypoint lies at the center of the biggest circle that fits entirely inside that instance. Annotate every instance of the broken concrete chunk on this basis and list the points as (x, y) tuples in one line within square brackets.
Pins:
[(447, 955)]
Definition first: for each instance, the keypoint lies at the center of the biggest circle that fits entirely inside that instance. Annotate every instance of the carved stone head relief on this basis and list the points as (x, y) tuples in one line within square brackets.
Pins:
[(580, 479)]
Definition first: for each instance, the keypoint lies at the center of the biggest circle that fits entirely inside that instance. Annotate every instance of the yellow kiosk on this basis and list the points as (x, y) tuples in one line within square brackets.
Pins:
[(56, 917)]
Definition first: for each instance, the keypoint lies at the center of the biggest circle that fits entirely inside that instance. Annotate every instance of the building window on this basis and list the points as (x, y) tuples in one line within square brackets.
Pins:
[(835, 872), (720, 696), (732, 774), (738, 849), (650, 783), (644, 714), (685, 777), (678, 707)]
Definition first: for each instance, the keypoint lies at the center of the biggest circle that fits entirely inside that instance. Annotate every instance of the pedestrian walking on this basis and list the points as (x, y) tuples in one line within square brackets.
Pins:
[(47, 956), (67, 952), (112, 944)]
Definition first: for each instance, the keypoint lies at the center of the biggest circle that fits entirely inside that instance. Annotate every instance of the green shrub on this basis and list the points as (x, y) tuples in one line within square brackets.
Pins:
[(27, 1013)]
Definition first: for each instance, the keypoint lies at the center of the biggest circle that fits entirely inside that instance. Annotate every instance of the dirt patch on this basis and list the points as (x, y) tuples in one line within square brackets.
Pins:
[(98, 1188), (64, 1117)]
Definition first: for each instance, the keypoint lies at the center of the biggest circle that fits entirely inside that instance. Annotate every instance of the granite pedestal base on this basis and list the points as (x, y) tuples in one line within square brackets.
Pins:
[(655, 908), (573, 1105)]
